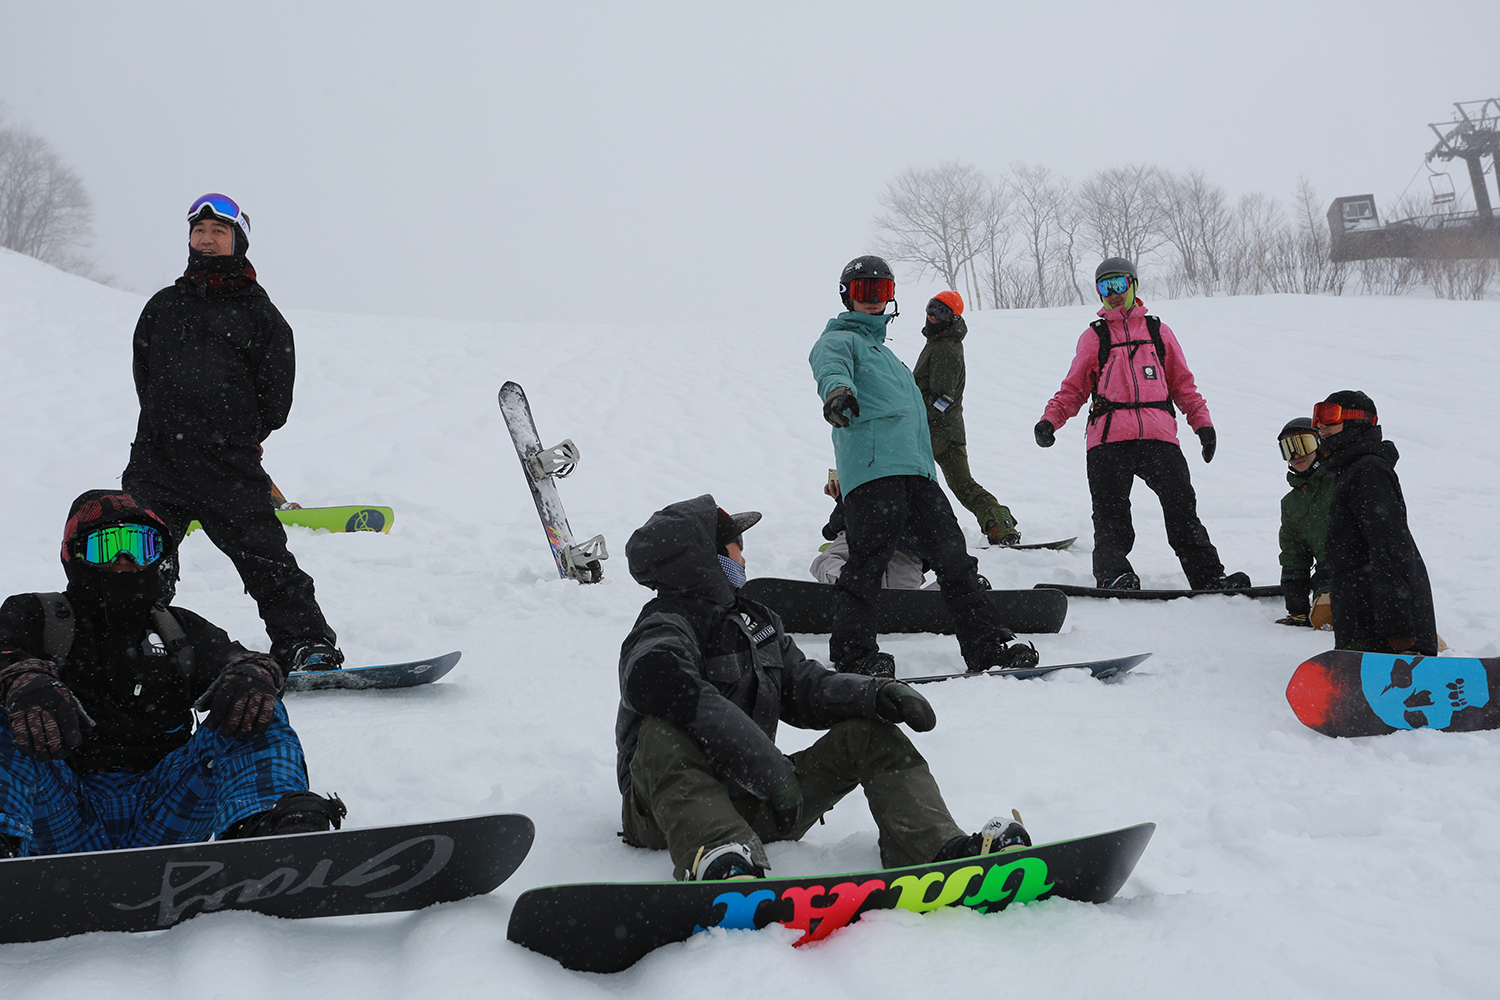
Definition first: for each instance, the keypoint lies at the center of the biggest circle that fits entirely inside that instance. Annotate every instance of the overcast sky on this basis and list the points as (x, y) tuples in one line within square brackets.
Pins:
[(622, 162)]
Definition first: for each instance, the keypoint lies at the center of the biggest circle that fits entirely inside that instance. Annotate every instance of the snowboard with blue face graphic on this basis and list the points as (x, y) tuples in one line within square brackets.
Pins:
[(1343, 693)]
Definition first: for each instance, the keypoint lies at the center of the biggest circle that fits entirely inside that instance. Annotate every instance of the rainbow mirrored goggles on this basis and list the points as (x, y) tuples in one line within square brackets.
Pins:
[(1114, 284), (222, 206), (101, 547), (1299, 444)]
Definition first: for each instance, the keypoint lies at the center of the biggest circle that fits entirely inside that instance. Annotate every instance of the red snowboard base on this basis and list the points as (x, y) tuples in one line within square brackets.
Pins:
[(1343, 693)]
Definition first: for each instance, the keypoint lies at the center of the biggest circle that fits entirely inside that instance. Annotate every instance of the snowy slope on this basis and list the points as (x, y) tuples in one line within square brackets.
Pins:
[(1285, 864)]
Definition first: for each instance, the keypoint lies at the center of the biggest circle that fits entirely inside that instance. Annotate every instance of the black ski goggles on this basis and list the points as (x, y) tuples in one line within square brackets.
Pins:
[(141, 542), (1298, 445)]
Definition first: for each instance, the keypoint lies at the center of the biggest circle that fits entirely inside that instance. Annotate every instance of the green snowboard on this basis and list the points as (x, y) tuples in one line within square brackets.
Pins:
[(333, 518)]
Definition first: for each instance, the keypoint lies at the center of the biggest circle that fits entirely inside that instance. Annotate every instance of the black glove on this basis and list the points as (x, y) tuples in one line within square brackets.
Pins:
[(839, 400), (1299, 621), (242, 701), (1045, 433), (786, 806), (46, 721), (899, 702), (1210, 441)]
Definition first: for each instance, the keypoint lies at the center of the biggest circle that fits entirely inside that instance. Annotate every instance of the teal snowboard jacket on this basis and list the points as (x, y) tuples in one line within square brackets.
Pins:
[(890, 436)]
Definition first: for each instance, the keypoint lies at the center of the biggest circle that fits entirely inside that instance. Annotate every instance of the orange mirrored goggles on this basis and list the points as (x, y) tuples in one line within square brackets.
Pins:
[(872, 289), (1325, 414)]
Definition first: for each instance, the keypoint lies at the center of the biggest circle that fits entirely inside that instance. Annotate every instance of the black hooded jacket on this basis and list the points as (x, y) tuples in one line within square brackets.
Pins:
[(117, 667), (1379, 583), (214, 361), (718, 665)]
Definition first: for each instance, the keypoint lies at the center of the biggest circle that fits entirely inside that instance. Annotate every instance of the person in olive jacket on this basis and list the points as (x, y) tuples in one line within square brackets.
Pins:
[(1304, 525), (706, 676), (1382, 599), (214, 364), (940, 373)]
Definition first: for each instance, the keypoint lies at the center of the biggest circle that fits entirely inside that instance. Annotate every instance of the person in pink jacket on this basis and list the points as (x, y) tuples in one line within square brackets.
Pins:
[(1132, 367)]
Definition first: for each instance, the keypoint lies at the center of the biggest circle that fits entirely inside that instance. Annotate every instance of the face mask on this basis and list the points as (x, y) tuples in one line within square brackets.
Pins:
[(733, 570)]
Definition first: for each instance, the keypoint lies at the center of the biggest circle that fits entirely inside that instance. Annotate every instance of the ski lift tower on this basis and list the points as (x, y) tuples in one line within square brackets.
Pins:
[(1358, 234)]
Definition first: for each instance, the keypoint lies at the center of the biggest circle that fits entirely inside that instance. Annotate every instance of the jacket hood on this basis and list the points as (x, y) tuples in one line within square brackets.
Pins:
[(955, 329), (1367, 440), (858, 322), (674, 552)]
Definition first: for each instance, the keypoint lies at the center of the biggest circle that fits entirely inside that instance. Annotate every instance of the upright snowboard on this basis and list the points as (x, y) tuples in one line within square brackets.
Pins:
[(1157, 595), (306, 875), (1102, 669), (808, 606), (543, 467), (339, 519), (609, 926), (386, 675), (1343, 693)]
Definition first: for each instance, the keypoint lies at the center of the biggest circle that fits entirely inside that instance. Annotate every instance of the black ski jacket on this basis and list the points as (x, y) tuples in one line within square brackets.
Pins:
[(1379, 584), (129, 685), (718, 665), (212, 365)]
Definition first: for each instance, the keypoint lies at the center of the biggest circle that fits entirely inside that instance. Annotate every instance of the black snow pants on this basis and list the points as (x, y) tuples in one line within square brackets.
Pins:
[(877, 515), (1112, 469), (224, 488)]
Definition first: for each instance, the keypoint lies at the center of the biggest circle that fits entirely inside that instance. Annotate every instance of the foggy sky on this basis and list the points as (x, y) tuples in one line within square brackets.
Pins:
[(675, 162)]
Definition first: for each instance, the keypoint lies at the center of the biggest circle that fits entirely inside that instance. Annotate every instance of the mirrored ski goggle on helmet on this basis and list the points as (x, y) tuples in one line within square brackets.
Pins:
[(1297, 445), (1325, 414), (222, 206), (872, 289), (1114, 284), (141, 542)]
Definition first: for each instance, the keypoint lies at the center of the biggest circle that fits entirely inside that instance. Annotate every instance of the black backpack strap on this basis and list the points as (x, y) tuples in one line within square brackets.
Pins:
[(58, 627), (1101, 407), (174, 639)]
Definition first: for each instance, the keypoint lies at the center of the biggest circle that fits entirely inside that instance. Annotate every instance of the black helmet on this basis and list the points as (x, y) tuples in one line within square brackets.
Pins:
[(862, 267), (1115, 265), (1295, 425)]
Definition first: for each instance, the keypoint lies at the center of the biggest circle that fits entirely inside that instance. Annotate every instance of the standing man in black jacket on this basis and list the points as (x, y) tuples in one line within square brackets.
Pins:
[(214, 365), (1382, 600), (706, 675)]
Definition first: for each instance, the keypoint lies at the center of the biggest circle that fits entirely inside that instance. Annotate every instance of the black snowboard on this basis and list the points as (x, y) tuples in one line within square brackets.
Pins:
[(306, 875), (387, 675), (1057, 546), (609, 926), (1157, 595), (807, 606), (1102, 669)]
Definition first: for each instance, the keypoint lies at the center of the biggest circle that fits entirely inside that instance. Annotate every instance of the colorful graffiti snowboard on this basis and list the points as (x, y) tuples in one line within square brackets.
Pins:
[(376, 870), (1343, 693), (1102, 669), (385, 675), (806, 606), (340, 519), (609, 926)]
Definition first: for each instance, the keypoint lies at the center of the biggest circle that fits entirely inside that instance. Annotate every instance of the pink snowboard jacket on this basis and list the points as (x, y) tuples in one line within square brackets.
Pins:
[(1133, 374)]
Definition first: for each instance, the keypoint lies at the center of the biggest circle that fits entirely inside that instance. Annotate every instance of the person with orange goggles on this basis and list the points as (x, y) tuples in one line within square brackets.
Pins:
[(1382, 599)]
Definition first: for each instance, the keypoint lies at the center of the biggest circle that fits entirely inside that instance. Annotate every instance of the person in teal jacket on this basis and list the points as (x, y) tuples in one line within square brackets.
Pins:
[(883, 450)]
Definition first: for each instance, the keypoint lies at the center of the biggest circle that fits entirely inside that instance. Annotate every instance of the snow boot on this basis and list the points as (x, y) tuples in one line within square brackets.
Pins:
[(10, 847), (999, 834), (294, 812), (1006, 656), (316, 655), (872, 663), (1125, 581), (727, 862), (1234, 581)]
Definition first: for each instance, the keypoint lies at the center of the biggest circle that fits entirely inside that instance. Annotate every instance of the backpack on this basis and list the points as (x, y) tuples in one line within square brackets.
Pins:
[(1101, 407), (59, 627)]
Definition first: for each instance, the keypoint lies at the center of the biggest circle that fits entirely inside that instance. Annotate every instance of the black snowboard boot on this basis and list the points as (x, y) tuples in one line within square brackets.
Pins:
[(294, 812), (999, 834), (1125, 581), (1012, 656), (1234, 581), (10, 847), (872, 663)]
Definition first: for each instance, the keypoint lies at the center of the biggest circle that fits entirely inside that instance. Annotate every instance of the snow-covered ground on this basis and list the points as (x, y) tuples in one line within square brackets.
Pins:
[(1285, 864)]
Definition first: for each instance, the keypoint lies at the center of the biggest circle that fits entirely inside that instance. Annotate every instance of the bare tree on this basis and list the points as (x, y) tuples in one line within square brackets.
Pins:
[(1122, 211), (1317, 273), (1195, 219), (44, 209), (938, 220), (1039, 199)]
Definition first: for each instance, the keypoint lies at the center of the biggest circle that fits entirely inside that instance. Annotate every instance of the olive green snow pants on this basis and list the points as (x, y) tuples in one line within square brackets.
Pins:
[(676, 803), (953, 459)]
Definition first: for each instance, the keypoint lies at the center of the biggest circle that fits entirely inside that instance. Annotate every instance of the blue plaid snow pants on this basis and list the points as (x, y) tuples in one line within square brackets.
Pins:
[(194, 792)]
